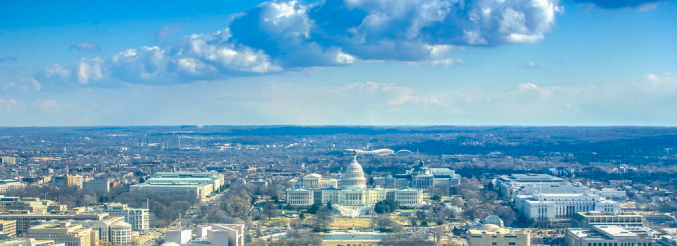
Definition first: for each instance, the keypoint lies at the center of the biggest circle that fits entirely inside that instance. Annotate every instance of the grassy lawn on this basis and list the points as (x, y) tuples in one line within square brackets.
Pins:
[(345, 223)]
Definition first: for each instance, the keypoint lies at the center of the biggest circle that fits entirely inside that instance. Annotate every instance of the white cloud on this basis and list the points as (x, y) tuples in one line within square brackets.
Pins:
[(290, 36)]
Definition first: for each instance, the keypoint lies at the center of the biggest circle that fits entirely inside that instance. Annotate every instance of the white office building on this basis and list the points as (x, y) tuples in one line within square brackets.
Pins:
[(611, 193), (200, 185), (314, 181), (113, 230), (551, 206), (210, 235), (9, 185), (420, 177), (138, 218), (509, 183), (610, 235), (549, 189)]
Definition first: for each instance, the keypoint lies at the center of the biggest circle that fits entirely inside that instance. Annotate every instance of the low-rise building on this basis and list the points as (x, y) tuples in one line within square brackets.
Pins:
[(210, 235), (551, 206), (199, 185), (199, 191), (10, 185), (64, 232), (9, 204), (529, 190), (113, 230), (420, 177), (7, 228), (314, 181), (507, 183), (68, 180), (29, 242), (592, 218), (601, 235), (8, 160), (23, 220), (99, 186), (611, 193), (490, 234)]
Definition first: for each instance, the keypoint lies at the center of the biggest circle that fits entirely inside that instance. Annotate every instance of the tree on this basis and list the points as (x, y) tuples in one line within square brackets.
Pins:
[(385, 224), (439, 190), (330, 206), (489, 186), (323, 218), (438, 233), (270, 210), (314, 208), (386, 207)]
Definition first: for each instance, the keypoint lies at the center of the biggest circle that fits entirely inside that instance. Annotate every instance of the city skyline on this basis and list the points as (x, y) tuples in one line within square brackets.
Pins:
[(329, 62)]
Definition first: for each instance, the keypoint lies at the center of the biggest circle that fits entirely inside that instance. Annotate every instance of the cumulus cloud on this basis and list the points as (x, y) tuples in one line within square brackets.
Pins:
[(616, 4), (7, 59), (86, 47), (289, 35)]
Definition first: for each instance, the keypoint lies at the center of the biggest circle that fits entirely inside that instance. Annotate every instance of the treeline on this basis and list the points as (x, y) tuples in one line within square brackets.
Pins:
[(164, 208), (593, 150), (70, 196), (238, 204)]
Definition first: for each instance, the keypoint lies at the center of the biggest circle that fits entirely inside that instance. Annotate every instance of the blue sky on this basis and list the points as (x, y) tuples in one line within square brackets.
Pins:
[(336, 62)]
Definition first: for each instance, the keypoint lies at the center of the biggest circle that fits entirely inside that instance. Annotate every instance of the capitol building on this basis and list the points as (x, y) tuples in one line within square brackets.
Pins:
[(349, 195)]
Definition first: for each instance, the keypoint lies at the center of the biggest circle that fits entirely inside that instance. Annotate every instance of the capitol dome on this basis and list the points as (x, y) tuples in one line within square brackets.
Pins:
[(353, 177), (354, 166)]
